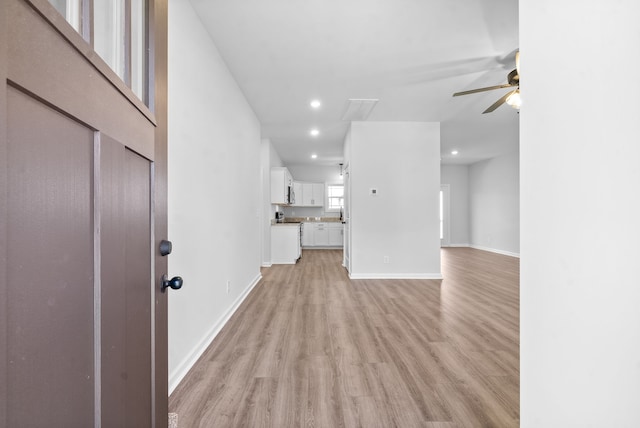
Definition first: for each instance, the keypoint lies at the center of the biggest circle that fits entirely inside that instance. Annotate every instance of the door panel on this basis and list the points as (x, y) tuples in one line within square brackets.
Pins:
[(126, 285), (138, 290), (113, 281), (49, 267)]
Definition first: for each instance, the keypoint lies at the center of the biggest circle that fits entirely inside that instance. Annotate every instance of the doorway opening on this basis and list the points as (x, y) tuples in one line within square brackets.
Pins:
[(444, 216)]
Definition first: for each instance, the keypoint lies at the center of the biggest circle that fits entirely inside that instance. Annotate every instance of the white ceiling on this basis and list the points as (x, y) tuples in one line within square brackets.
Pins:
[(411, 54)]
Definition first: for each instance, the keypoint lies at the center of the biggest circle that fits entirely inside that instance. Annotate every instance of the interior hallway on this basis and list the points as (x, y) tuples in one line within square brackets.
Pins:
[(309, 347)]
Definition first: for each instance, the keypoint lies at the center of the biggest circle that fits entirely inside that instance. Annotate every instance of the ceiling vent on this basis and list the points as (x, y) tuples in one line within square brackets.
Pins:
[(359, 109)]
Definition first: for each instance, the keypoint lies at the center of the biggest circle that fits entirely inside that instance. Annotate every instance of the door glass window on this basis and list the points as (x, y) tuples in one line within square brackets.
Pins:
[(139, 48), (71, 10), (117, 30), (109, 34)]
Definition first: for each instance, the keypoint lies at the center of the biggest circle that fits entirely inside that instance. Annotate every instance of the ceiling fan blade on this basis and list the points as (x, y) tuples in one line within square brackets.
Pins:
[(518, 62), (489, 88), (501, 101)]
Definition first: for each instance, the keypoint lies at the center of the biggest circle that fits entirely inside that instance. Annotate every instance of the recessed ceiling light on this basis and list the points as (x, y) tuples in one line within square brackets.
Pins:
[(314, 132), (315, 104), (454, 152), (313, 156)]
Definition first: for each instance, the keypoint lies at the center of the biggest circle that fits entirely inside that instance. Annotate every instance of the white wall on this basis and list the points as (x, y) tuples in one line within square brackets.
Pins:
[(269, 158), (402, 161), (214, 164), (457, 177), (580, 204), (494, 204)]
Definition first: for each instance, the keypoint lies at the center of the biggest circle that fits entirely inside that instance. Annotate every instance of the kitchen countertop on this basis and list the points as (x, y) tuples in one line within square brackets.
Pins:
[(289, 221), (312, 220)]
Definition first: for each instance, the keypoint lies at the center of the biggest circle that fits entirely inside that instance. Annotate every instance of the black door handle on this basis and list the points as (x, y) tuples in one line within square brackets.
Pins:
[(175, 282)]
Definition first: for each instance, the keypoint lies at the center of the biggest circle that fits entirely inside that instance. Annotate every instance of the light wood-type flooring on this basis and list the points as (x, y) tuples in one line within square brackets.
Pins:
[(311, 348)]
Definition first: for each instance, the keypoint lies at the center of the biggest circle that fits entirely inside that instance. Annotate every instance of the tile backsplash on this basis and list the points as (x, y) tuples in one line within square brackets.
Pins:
[(308, 212)]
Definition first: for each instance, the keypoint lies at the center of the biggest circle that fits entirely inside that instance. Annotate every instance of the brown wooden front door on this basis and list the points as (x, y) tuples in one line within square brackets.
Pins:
[(82, 210)]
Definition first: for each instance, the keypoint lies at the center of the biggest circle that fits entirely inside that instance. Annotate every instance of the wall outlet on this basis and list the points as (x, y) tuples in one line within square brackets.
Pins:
[(228, 286), (386, 259)]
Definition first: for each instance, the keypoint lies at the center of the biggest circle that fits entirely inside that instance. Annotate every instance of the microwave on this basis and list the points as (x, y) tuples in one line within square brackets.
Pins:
[(291, 196)]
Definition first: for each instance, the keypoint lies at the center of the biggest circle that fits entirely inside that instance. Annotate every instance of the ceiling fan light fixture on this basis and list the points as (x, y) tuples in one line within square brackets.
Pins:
[(514, 100)]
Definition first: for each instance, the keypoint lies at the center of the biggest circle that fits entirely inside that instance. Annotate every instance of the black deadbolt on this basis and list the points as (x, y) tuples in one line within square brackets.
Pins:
[(175, 282), (165, 248)]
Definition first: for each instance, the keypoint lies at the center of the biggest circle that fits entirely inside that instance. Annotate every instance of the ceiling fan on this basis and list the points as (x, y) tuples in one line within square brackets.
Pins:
[(512, 97)]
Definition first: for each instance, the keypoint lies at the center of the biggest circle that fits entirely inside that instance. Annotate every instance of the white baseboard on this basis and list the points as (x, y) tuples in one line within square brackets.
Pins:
[(266, 265), (494, 250), (457, 246), (183, 368), (395, 276)]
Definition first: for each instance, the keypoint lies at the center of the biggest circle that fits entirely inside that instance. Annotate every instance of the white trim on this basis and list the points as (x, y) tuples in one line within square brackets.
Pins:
[(395, 276), (458, 245), (494, 250), (266, 265), (187, 363)]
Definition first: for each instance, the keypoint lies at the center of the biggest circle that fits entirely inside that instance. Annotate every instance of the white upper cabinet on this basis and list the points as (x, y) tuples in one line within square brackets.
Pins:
[(309, 194), (281, 183), (318, 194)]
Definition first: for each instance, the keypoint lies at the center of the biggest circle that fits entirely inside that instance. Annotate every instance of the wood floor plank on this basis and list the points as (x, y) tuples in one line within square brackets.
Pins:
[(324, 407), (394, 395), (258, 403), (291, 396), (311, 348), (368, 414)]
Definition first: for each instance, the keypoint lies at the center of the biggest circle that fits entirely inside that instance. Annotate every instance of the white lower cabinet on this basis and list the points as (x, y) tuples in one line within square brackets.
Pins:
[(285, 244), (335, 235), (307, 234), (322, 234)]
